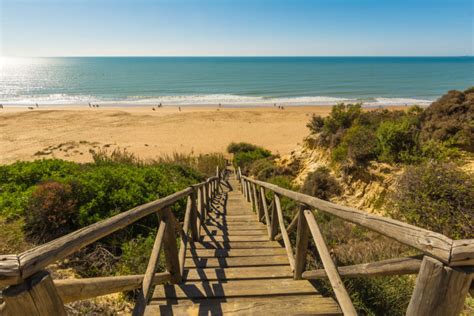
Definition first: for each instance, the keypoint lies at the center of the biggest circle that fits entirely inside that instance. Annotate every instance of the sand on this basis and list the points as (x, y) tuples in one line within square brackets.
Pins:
[(72, 132)]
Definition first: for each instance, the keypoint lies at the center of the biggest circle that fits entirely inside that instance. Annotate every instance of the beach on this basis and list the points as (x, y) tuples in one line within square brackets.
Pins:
[(72, 132)]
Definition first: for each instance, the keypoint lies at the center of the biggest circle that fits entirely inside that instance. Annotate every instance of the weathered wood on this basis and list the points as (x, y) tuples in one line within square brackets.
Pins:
[(170, 247), (36, 296), (274, 223), (290, 227), (71, 290), (238, 273), (236, 245), (398, 266), (194, 217), (36, 258), (251, 261), (184, 234), (235, 238), (9, 270), (439, 290), (434, 244), (302, 239), (225, 253), (286, 239), (145, 293), (338, 287), (462, 253)]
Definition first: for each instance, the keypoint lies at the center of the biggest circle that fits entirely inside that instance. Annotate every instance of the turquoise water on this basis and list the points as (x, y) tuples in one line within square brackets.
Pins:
[(232, 80)]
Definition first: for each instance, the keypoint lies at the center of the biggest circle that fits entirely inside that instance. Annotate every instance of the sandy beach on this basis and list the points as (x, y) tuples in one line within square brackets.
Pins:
[(72, 132)]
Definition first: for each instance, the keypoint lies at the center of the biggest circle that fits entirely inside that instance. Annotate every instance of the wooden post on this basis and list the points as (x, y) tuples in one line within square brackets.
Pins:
[(256, 201), (265, 210), (439, 290), (170, 247), (145, 293), (274, 227), (284, 234), (194, 216), (301, 244), (251, 195), (35, 296), (203, 205), (184, 234)]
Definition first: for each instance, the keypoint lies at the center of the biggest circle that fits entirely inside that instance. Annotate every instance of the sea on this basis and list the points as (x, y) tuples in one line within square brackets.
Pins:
[(231, 81)]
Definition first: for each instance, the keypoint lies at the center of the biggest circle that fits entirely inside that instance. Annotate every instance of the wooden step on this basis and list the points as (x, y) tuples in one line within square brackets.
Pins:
[(243, 288), (274, 260), (252, 226), (280, 305), (238, 273), (237, 232), (220, 253), (262, 237), (235, 245)]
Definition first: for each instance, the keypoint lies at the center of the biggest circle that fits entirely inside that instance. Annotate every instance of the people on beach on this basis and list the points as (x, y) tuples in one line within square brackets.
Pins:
[(179, 108), (1, 106), (37, 105)]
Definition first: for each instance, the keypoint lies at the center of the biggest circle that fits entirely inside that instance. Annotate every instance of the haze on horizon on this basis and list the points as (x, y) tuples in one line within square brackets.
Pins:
[(236, 28)]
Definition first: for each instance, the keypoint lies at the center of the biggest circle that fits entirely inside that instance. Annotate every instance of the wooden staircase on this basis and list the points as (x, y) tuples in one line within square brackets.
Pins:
[(235, 269)]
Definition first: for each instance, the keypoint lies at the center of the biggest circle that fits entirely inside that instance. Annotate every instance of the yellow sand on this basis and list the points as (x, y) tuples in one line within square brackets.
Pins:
[(71, 132)]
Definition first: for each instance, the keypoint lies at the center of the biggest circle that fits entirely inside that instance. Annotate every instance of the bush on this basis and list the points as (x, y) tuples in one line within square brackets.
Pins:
[(321, 184), (316, 124), (234, 148), (136, 255), (263, 169), (51, 211), (436, 196), (358, 146), (398, 140)]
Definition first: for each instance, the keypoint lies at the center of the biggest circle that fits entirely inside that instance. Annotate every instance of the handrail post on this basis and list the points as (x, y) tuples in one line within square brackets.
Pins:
[(194, 216), (274, 226), (439, 289), (263, 199), (170, 248), (302, 238), (37, 295)]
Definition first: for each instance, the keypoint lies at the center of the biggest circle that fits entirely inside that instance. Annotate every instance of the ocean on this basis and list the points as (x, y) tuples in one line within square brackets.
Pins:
[(234, 81)]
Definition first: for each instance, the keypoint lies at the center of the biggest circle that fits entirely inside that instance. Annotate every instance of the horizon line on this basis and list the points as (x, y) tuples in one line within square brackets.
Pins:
[(243, 56)]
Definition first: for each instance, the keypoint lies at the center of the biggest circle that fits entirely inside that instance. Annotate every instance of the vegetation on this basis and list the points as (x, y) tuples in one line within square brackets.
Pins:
[(246, 154), (321, 184)]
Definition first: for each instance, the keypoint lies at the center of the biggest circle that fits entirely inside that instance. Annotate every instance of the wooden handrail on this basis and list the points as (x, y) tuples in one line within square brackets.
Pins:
[(18, 271), (429, 242)]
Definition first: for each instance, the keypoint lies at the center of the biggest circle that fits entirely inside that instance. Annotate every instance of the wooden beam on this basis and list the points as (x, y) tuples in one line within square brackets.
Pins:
[(302, 239), (462, 253), (286, 239), (398, 266), (36, 296), (265, 210), (71, 290), (170, 247), (339, 290), (439, 290), (194, 217), (145, 293), (184, 235), (290, 227), (434, 244), (9, 270), (274, 223)]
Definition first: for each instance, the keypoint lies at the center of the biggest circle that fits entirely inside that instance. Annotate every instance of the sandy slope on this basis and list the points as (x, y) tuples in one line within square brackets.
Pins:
[(71, 132)]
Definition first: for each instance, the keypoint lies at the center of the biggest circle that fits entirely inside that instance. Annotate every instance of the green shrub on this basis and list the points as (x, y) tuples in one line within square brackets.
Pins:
[(136, 254), (234, 148), (398, 140), (316, 124), (436, 196), (321, 184), (264, 169), (245, 159), (358, 146), (51, 211)]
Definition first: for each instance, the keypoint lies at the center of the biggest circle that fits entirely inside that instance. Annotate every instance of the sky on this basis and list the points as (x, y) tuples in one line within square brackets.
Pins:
[(236, 28)]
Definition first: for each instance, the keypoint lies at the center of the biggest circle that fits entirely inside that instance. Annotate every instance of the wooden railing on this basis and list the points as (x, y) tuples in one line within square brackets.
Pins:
[(30, 290), (444, 270)]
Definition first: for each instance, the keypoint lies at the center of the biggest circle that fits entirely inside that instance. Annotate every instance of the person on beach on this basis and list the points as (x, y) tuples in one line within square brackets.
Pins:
[(37, 105), (1, 106), (179, 108)]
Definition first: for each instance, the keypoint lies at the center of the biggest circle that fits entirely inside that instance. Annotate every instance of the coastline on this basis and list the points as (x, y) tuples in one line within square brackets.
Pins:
[(72, 132)]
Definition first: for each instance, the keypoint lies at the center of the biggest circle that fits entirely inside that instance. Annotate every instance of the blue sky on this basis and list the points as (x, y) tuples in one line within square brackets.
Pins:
[(236, 27)]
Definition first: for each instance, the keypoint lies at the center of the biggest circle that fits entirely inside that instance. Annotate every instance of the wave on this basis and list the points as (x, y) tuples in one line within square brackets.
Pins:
[(205, 99)]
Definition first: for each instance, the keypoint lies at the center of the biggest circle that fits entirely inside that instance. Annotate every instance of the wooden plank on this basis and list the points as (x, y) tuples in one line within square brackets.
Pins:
[(236, 262), (184, 234), (398, 266), (236, 245), (238, 273), (194, 216), (243, 288), (338, 287), (170, 248), (286, 239), (71, 290), (302, 239), (274, 223), (35, 259), (221, 253), (462, 253), (439, 290), (235, 238), (236, 232), (265, 210), (429, 242), (36, 296), (276, 306), (145, 293), (9, 270)]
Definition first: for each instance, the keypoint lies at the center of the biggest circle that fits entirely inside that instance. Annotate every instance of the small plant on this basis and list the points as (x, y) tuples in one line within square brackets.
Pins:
[(316, 124), (321, 184), (358, 146), (398, 140), (234, 148)]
